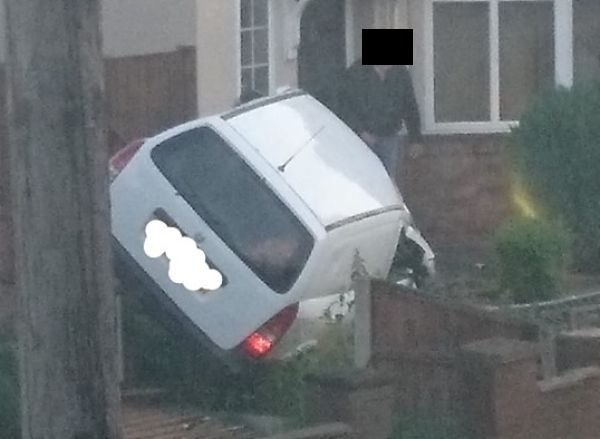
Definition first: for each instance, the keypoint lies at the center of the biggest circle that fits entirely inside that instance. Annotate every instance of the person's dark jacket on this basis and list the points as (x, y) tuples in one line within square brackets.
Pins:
[(366, 103)]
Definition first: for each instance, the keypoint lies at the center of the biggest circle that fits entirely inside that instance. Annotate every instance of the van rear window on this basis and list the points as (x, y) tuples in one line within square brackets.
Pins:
[(237, 205)]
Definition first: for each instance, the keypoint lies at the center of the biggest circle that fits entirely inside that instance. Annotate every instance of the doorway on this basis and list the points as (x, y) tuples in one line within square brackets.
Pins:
[(322, 49)]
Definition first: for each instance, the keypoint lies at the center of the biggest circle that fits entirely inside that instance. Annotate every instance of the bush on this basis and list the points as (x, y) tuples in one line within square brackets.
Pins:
[(557, 154), (531, 259)]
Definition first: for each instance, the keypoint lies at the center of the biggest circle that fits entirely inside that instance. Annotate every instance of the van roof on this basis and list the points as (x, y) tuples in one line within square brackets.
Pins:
[(319, 156)]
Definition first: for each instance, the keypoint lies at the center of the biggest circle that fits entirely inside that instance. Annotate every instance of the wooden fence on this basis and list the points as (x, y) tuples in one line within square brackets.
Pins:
[(147, 94)]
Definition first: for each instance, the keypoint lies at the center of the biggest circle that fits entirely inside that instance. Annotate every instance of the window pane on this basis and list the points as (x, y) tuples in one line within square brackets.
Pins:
[(261, 12), (246, 13), (461, 62), (586, 30), (526, 54), (261, 46), (261, 80), (246, 48), (247, 82), (237, 205)]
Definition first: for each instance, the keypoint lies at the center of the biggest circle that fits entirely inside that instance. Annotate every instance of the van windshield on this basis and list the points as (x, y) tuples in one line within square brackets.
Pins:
[(237, 205)]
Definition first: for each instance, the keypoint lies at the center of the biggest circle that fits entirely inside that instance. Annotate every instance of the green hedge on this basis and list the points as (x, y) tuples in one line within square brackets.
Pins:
[(532, 255), (557, 153)]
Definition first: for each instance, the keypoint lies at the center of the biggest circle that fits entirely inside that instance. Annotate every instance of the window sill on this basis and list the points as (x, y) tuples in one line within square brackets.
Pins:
[(443, 129)]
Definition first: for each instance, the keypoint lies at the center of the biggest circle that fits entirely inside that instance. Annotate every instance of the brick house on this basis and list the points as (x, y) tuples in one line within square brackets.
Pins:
[(476, 66)]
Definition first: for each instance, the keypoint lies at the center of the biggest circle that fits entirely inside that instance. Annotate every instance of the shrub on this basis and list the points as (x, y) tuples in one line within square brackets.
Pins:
[(557, 154), (334, 352), (531, 259)]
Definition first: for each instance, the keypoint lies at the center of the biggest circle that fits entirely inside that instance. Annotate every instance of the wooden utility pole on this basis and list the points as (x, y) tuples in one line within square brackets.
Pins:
[(58, 164)]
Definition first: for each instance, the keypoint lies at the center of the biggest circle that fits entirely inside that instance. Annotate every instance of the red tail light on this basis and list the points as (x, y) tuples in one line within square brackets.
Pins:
[(118, 161), (261, 342)]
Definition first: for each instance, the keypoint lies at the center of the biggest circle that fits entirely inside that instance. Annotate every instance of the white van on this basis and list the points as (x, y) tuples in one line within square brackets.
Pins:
[(232, 221)]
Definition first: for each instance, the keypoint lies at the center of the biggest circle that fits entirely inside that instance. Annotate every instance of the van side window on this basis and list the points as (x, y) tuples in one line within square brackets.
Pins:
[(237, 205)]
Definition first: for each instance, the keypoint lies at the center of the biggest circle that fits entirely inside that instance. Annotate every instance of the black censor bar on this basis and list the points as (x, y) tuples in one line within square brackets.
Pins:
[(387, 47)]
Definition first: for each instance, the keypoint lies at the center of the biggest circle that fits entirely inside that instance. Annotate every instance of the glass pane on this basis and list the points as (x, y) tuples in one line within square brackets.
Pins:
[(261, 80), (247, 83), (261, 46), (461, 62), (586, 30), (261, 12), (246, 13), (526, 54), (237, 205), (246, 48)]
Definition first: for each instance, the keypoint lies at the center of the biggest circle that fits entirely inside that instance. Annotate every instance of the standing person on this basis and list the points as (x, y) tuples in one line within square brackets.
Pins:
[(376, 101)]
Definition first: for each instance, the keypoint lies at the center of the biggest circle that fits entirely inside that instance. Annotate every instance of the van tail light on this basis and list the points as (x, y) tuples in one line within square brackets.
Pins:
[(118, 161), (263, 340)]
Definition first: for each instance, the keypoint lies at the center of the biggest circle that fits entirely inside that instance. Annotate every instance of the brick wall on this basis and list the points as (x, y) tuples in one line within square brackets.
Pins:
[(458, 189), (580, 348), (510, 402), (409, 322), (327, 431), (452, 358), (418, 338), (364, 400)]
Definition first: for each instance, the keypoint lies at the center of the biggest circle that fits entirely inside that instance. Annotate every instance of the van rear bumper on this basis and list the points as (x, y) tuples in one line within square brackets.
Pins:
[(134, 280)]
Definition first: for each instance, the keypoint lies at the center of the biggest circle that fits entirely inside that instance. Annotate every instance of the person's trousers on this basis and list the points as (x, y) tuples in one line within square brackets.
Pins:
[(388, 149)]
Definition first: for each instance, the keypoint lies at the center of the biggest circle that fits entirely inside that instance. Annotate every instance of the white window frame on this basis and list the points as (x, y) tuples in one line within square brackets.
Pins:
[(238, 38), (563, 62)]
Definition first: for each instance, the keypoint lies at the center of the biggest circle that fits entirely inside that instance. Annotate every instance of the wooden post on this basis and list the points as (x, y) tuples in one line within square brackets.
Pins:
[(361, 286), (68, 365)]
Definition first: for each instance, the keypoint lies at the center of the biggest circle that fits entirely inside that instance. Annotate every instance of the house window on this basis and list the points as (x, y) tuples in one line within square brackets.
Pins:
[(487, 59), (254, 45), (461, 63)]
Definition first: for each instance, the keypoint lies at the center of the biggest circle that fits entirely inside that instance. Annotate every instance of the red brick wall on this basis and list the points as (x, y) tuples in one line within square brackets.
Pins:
[(407, 322), (419, 339), (458, 189), (512, 404), (451, 358), (579, 348)]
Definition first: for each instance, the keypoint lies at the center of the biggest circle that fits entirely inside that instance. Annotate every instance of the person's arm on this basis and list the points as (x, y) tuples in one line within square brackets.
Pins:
[(412, 118)]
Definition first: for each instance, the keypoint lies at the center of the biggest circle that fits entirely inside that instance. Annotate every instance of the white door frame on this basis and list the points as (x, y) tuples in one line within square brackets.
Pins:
[(350, 32)]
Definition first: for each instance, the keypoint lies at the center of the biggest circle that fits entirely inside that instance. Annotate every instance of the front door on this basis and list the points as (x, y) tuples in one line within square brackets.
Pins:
[(322, 51)]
